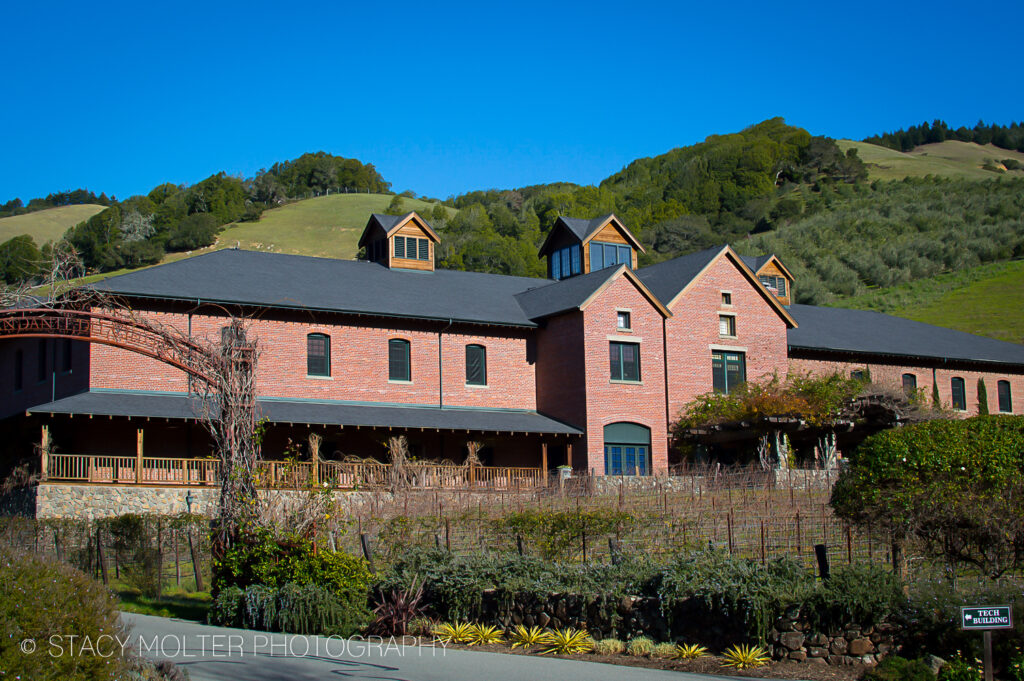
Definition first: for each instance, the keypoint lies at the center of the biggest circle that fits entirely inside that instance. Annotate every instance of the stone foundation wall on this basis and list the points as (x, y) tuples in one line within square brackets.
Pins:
[(791, 639), (796, 478)]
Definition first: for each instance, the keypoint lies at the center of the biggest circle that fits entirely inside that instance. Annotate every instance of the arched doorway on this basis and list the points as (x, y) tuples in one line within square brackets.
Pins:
[(627, 449)]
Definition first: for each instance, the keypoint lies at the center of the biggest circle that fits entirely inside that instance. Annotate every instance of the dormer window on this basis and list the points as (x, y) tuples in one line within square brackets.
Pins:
[(399, 242), (575, 246), (776, 283), (609, 255), (566, 262)]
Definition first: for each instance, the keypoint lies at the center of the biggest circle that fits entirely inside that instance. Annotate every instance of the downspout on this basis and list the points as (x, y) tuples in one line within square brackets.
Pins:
[(440, 366)]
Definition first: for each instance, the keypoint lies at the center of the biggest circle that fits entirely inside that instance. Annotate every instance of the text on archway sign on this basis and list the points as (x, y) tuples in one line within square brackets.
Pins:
[(986, 617)]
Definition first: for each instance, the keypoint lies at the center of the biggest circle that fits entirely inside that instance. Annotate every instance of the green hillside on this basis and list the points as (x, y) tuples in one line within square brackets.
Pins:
[(953, 159), (46, 225), (327, 226), (986, 300)]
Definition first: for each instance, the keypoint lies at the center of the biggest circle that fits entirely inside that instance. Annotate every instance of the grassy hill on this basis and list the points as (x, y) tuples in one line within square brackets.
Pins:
[(46, 225), (987, 300), (325, 226), (962, 160)]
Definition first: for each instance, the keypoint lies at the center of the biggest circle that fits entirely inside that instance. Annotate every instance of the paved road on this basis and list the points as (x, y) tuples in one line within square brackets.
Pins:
[(216, 654)]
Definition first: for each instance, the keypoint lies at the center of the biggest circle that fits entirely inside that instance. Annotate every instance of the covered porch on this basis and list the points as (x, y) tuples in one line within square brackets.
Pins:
[(128, 438)]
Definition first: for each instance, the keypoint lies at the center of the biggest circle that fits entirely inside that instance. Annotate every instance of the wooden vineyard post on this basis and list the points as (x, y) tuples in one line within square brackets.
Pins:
[(197, 567), (100, 558)]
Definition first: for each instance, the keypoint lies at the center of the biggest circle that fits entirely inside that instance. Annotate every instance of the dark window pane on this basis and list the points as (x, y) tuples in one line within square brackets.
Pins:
[(566, 265), (41, 361), (399, 246), (630, 362), (398, 360), (424, 249), (780, 283), (65, 355), (959, 394), (857, 375), (1005, 398), (556, 266), (576, 265), (641, 460), (476, 365), (318, 354), (596, 257), (610, 255), (626, 256), (19, 379), (718, 373), (909, 383), (615, 354)]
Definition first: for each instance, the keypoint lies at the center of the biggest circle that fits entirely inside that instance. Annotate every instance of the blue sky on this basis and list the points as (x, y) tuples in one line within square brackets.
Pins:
[(449, 98)]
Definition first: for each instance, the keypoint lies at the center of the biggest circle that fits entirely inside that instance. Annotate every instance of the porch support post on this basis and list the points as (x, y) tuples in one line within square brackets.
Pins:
[(44, 453), (314, 448), (138, 456), (544, 461), (568, 455)]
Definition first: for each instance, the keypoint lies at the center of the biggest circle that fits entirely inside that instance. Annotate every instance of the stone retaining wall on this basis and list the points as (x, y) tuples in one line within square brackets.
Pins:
[(796, 478), (791, 639)]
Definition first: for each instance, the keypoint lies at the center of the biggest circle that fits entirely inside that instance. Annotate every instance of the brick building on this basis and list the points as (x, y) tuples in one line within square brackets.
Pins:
[(588, 367)]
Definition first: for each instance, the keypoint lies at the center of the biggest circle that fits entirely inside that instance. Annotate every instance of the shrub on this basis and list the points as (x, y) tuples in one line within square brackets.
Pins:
[(227, 608), (527, 637), (1015, 667), (395, 611), (959, 669), (896, 668), (745, 657), (609, 646), (665, 651), (690, 651), (40, 599), (866, 594), (640, 646), (293, 608), (259, 558), (482, 635), (568, 642), (421, 626), (453, 633), (309, 609)]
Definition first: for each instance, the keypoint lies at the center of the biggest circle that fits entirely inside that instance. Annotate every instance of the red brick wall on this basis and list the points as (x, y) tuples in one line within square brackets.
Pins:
[(608, 402), (55, 383), (693, 331), (359, 362), (892, 374)]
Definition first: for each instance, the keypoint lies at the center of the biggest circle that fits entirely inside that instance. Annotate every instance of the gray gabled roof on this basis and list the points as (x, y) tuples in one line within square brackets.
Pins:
[(583, 228), (388, 222), (352, 286), (562, 296), (755, 262), (667, 279), (867, 332), (177, 406)]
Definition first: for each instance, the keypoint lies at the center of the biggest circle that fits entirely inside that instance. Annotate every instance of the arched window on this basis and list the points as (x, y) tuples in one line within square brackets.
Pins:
[(476, 365), (627, 449), (399, 366), (1005, 397), (956, 385), (909, 383), (318, 354)]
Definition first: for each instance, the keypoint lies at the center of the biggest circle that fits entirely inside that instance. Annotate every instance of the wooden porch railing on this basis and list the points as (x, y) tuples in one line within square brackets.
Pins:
[(174, 472)]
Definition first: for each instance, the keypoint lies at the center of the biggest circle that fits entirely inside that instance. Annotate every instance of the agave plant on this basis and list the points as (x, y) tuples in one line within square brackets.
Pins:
[(744, 656), (453, 633), (568, 641), (528, 637), (480, 635), (689, 651)]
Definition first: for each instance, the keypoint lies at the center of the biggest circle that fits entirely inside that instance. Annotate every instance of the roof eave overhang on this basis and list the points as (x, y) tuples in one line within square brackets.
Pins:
[(1019, 366), (306, 308)]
